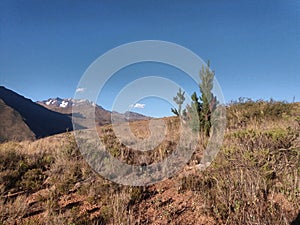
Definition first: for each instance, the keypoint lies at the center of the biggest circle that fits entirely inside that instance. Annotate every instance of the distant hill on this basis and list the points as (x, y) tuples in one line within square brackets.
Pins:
[(41, 121)]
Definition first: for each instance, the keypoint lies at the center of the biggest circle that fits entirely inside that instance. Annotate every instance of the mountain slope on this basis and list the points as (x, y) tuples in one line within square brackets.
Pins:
[(41, 121), (12, 125)]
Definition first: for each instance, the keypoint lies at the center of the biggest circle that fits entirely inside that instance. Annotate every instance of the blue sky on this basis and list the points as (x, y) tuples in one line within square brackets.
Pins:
[(254, 46)]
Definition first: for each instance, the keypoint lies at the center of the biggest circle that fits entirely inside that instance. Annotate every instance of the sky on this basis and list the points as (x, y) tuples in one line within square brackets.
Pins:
[(253, 46)]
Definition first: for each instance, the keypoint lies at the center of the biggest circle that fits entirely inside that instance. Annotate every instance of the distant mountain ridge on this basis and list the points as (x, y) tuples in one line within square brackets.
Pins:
[(102, 116), (41, 121), (21, 118), (65, 103)]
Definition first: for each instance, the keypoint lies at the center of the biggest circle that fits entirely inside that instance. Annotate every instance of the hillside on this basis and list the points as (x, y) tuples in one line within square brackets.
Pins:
[(255, 178), (41, 121), (23, 119), (12, 125)]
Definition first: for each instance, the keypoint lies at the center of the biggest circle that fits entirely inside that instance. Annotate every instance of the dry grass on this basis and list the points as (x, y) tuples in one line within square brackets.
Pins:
[(255, 178), (126, 149)]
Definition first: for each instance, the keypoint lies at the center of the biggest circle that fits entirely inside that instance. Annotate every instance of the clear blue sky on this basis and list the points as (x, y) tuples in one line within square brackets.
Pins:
[(253, 45)]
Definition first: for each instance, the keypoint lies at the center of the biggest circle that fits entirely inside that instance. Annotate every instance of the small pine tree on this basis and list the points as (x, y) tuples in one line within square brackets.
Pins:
[(199, 112), (209, 101), (193, 113), (179, 100)]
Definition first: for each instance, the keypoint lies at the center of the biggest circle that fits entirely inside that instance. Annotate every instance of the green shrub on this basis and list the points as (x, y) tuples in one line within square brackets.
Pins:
[(32, 179)]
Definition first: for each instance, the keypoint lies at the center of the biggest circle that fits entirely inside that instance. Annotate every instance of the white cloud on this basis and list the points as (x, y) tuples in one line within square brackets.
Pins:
[(80, 89), (138, 106)]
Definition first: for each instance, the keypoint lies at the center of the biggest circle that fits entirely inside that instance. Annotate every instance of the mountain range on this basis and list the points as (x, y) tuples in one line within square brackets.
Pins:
[(77, 106), (23, 119)]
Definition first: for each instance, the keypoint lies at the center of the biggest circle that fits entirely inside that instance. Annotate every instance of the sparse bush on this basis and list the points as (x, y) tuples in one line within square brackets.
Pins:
[(269, 139), (190, 182), (32, 179), (19, 171), (244, 111), (248, 175)]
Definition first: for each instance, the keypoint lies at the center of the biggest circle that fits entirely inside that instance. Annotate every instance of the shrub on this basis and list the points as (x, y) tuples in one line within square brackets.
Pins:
[(244, 111), (32, 179)]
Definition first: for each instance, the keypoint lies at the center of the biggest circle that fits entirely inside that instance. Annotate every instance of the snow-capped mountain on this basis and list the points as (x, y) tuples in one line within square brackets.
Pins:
[(102, 116), (65, 103)]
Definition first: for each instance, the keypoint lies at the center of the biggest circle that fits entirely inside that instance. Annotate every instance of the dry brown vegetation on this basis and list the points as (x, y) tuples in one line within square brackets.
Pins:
[(122, 151), (255, 178)]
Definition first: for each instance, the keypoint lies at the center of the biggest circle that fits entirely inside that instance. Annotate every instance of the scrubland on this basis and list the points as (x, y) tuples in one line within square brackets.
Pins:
[(255, 178)]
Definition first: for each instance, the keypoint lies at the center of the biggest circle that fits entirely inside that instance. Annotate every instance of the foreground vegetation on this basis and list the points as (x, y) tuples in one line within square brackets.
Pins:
[(255, 178)]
